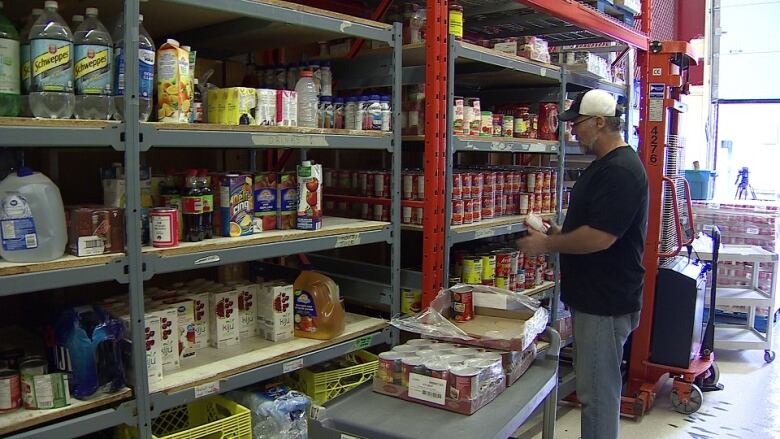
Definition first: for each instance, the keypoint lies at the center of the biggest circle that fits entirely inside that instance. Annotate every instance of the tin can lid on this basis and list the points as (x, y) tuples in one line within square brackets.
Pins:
[(390, 355)]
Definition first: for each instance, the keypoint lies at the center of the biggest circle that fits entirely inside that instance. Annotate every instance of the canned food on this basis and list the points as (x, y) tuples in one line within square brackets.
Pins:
[(365, 211), (498, 125), (488, 269), (538, 201), (406, 215), (466, 182), (533, 126), (419, 183), (521, 126), (389, 369), (488, 206), (457, 122), (546, 203), (377, 212), (464, 384), (417, 216), (457, 212), (411, 301), (463, 304), (454, 281), (530, 182), (486, 124), (520, 281), (531, 202), (408, 191), (412, 364), (501, 205), (475, 127), (549, 275), (539, 186), (507, 126), (554, 181), (344, 179), (9, 358), (452, 359), (437, 369), (547, 181), (164, 227), (457, 186), (476, 209), (514, 262), (501, 182), (366, 183), (472, 270), (329, 175), (10, 390), (503, 282), (530, 277), (404, 349), (354, 177), (468, 213), (468, 119), (477, 182), (382, 184), (503, 262), (488, 183)]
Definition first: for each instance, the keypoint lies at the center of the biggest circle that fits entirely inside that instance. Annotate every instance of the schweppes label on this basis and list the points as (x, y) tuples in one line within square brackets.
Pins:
[(57, 55), (93, 61)]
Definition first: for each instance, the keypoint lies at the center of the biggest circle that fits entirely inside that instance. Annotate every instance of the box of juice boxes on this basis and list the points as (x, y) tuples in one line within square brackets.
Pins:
[(224, 317), (287, 201), (239, 101), (173, 83), (153, 337), (201, 303), (247, 308), (265, 201), (236, 205), (275, 311), (169, 335), (309, 196), (185, 312)]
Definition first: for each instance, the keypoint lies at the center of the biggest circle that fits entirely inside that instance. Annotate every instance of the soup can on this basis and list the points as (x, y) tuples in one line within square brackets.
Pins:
[(412, 364), (457, 212), (466, 182), (164, 227), (464, 383), (457, 186), (389, 369), (472, 270), (463, 304), (10, 390)]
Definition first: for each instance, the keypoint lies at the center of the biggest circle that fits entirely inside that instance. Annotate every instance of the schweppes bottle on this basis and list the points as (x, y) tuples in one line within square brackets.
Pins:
[(92, 68), (51, 65)]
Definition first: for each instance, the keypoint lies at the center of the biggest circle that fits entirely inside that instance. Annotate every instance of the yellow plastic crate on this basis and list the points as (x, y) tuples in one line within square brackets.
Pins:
[(324, 386), (213, 418)]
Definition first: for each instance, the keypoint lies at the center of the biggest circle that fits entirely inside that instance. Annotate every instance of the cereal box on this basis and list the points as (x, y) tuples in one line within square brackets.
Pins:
[(239, 101), (173, 83), (153, 337), (265, 201), (236, 205), (247, 308), (224, 318), (287, 201), (169, 339), (275, 311), (185, 310), (309, 196)]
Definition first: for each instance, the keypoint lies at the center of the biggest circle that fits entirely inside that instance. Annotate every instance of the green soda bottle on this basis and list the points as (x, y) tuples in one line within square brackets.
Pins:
[(10, 102)]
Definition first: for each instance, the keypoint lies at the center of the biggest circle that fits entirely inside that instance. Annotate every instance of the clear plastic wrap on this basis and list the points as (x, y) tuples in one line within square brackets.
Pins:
[(277, 412), (433, 321)]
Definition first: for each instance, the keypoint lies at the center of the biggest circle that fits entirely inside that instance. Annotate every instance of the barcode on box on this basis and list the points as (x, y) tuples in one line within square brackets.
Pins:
[(427, 388), (91, 245), (435, 395)]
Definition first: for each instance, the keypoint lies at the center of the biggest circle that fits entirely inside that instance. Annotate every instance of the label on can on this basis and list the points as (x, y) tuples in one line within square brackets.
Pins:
[(457, 186), (52, 65), (457, 212), (92, 69), (164, 227), (411, 301), (472, 270), (488, 267), (468, 213), (10, 390), (408, 187), (463, 304)]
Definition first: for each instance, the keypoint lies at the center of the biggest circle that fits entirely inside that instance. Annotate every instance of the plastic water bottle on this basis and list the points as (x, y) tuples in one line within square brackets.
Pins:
[(326, 79), (33, 218), (92, 68), (386, 112), (146, 54), (24, 59), (51, 63), (307, 100), (9, 67), (76, 21)]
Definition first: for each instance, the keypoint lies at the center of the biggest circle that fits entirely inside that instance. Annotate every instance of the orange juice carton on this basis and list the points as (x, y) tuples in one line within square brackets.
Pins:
[(185, 314), (265, 201), (173, 83), (236, 205), (202, 312), (287, 201), (286, 108), (152, 336), (275, 311), (240, 101), (224, 317), (247, 308), (309, 196), (169, 335)]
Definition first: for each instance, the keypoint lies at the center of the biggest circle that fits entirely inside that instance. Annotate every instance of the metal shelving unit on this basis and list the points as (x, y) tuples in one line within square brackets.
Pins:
[(263, 360)]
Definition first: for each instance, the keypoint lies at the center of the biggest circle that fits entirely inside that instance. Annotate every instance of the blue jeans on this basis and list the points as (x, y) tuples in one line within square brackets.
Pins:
[(598, 353)]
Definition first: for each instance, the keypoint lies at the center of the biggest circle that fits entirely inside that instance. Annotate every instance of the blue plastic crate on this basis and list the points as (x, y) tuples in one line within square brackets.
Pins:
[(702, 183)]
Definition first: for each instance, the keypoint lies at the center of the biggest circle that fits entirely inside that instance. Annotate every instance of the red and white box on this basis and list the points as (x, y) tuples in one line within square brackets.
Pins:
[(248, 295), (286, 108), (169, 335), (185, 315), (202, 314), (153, 338), (275, 311), (224, 318)]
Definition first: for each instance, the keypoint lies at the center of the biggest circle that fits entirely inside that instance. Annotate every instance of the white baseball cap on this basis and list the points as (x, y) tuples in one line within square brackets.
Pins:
[(592, 103)]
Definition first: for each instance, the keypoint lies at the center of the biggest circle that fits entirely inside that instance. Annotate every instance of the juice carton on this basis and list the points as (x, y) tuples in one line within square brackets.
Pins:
[(247, 308), (240, 101), (236, 205), (200, 300), (309, 196), (275, 311), (173, 83), (224, 318), (222, 94), (265, 201), (153, 336), (265, 114), (185, 310), (287, 201), (169, 338), (286, 108), (213, 114)]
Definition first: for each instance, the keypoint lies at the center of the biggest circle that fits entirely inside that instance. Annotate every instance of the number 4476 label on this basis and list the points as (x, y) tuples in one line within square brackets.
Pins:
[(427, 388)]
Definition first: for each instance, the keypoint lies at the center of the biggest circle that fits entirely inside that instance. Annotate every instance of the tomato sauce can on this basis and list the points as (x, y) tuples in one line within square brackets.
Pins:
[(417, 216), (389, 369), (457, 212), (501, 182), (539, 186), (466, 182), (488, 206), (523, 204), (547, 181), (406, 215), (463, 304), (10, 390), (457, 186), (504, 262), (488, 183), (411, 364), (464, 383), (408, 191), (468, 212), (476, 209), (164, 227), (477, 182), (530, 278), (438, 369), (546, 202), (501, 204)]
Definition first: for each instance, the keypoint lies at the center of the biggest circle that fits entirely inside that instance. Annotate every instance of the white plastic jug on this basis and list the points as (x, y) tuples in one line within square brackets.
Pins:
[(32, 218)]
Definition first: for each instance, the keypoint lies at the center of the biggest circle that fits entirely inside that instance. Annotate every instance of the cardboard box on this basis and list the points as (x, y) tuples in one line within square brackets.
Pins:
[(466, 407), (173, 83), (95, 230), (286, 108), (239, 101), (169, 335), (224, 318), (248, 297), (517, 363), (265, 193), (202, 307), (153, 333), (525, 326), (185, 312), (275, 311), (265, 113)]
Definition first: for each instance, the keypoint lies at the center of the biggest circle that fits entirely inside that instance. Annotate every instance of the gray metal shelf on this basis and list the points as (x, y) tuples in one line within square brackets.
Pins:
[(163, 401), (61, 133), (493, 57), (508, 144), (221, 136), (105, 269), (365, 413), (504, 225)]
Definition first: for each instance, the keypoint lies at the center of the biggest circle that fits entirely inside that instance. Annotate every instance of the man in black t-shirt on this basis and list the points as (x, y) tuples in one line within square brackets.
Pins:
[(601, 245)]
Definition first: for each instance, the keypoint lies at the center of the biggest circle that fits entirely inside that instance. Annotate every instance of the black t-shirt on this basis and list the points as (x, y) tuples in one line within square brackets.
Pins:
[(611, 196)]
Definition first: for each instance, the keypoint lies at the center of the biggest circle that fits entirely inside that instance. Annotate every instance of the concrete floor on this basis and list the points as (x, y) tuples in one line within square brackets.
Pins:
[(748, 407)]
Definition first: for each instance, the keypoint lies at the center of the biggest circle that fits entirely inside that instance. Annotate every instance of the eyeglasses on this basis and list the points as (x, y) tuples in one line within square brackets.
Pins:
[(583, 120)]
